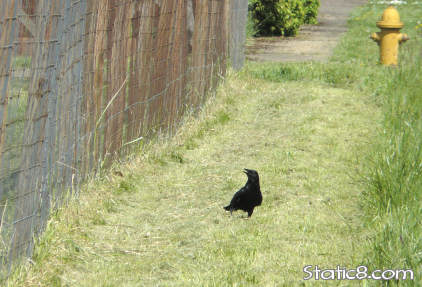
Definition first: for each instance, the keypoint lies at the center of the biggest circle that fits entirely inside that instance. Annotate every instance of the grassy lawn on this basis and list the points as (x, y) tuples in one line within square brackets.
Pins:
[(393, 167), (162, 224), (330, 142)]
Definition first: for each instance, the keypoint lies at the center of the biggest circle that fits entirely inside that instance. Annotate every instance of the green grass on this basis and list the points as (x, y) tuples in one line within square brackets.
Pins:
[(337, 145), (394, 165), (21, 62), (162, 223), (11, 151)]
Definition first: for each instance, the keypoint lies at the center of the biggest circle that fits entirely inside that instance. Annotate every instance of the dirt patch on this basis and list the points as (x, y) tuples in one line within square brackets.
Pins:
[(313, 42)]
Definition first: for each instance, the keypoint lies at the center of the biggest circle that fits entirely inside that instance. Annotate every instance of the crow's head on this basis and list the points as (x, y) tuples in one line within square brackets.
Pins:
[(252, 174)]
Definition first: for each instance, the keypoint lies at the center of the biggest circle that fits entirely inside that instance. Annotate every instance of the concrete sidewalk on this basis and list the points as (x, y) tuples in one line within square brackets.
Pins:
[(313, 42)]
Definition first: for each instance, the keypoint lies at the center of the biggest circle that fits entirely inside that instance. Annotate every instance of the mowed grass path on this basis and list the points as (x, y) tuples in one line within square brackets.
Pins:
[(162, 223)]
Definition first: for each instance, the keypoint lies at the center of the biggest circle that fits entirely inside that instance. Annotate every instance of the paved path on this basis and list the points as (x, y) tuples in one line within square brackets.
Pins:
[(313, 42)]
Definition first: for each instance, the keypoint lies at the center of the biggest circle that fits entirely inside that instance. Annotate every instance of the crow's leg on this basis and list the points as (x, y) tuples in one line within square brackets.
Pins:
[(250, 211)]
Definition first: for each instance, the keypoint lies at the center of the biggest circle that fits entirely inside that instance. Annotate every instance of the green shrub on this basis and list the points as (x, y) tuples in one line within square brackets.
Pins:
[(311, 11), (281, 17)]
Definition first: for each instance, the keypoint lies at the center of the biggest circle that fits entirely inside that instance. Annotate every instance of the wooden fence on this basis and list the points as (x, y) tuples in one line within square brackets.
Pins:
[(82, 81)]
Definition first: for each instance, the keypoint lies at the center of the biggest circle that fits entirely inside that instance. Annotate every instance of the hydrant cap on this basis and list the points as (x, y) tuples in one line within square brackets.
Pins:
[(390, 19)]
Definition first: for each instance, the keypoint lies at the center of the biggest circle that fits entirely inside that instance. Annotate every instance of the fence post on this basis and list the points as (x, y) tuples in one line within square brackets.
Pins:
[(238, 19)]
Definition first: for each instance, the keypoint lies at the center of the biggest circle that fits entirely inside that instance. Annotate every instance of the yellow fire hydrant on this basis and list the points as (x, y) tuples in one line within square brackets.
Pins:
[(390, 37)]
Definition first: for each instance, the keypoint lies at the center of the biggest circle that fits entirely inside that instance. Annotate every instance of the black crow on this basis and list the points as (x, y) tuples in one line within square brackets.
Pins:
[(248, 196)]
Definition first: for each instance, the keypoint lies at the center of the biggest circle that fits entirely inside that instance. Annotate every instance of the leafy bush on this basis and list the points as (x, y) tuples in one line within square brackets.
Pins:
[(281, 17), (311, 11)]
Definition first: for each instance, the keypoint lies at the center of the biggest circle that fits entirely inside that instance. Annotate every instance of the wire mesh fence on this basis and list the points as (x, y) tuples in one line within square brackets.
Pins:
[(81, 81)]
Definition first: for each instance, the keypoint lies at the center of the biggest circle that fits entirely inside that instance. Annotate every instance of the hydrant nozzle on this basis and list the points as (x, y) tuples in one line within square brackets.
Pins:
[(390, 37)]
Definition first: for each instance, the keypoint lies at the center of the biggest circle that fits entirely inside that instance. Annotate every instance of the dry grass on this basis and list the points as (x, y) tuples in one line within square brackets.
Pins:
[(162, 223)]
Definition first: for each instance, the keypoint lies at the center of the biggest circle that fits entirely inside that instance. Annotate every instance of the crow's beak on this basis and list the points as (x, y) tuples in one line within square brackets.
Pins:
[(246, 171)]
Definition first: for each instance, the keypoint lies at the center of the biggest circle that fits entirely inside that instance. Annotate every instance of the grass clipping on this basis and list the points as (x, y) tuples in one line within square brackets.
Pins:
[(158, 219)]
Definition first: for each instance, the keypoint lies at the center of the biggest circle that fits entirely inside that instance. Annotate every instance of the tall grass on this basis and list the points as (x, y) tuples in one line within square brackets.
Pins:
[(392, 199), (395, 181)]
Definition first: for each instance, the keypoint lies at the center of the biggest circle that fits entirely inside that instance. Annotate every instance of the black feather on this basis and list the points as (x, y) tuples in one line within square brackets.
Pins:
[(249, 196)]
